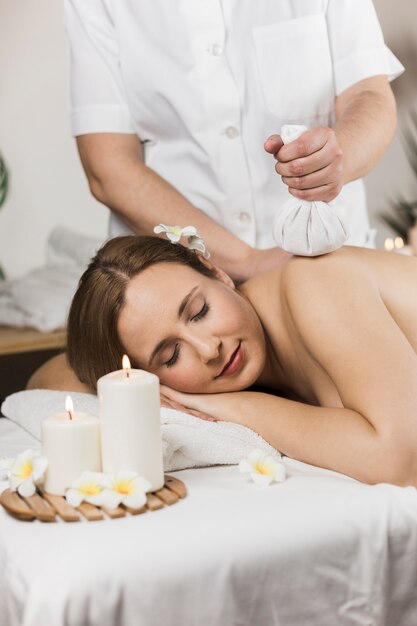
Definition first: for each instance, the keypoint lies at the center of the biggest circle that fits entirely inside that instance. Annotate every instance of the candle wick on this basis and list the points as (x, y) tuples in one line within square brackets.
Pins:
[(70, 414), (127, 374)]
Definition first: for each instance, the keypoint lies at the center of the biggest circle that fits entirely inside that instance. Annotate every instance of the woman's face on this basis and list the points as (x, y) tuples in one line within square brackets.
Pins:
[(198, 334)]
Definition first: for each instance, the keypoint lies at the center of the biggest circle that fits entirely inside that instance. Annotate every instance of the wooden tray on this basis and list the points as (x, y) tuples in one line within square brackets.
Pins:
[(46, 507)]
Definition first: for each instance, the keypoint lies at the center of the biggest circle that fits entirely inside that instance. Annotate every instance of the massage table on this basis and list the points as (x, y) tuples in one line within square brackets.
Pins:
[(319, 549)]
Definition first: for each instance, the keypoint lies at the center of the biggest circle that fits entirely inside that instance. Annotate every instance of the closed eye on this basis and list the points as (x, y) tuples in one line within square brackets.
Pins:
[(174, 357), (203, 311)]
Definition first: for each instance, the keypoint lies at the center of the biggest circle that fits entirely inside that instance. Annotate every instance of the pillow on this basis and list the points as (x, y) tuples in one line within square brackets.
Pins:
[(187, 441)]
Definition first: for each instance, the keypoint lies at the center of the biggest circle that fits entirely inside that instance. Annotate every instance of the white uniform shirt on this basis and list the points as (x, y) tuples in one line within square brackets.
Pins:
[(203, 83)]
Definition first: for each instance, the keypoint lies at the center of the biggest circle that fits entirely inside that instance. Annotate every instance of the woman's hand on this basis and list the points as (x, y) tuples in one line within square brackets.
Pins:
[(182, 402), (208, 406)]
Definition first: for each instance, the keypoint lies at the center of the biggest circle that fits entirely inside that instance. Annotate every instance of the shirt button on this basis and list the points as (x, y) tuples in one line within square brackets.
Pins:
[(244, 217), (215, 49), (232, 132)]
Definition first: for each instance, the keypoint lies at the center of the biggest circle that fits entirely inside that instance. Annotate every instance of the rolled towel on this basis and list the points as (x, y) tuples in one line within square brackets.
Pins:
[(307, 228)]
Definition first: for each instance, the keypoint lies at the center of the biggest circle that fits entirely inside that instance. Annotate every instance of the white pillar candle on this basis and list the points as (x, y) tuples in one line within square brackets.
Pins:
[(71, 443), (130, 424)]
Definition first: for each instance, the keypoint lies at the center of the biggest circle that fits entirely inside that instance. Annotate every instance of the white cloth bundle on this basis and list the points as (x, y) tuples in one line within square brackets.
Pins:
[(187, 441), (41, 298), (307, 228)]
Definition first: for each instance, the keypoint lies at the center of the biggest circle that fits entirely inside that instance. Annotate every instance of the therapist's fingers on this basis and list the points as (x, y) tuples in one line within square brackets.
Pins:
[(310, 142), (325, 193), (324, 176), (273, 144)]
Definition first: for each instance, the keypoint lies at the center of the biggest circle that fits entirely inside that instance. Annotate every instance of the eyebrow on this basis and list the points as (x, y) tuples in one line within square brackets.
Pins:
[(181, 310)]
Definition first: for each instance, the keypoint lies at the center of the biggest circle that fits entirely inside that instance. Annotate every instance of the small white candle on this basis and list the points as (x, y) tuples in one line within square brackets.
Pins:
[(71, 443), (130, 423)]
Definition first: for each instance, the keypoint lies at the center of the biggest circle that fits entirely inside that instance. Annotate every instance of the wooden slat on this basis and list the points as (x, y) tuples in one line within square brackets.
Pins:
[(41, 508), (175, 485), (62, 508), (153, 502), (16, 506), (14, 340), (167, 496), (90, 512), (114, 513)]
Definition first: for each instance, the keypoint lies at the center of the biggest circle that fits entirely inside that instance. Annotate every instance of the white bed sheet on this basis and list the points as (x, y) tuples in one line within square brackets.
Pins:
[(319, 549)]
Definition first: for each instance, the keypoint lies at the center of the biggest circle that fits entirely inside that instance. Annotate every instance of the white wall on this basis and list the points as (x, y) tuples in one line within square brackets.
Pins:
[(48, 186)]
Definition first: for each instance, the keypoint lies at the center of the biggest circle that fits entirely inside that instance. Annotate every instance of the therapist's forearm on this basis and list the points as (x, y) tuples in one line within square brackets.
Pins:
[(143, 199), (365, 126)]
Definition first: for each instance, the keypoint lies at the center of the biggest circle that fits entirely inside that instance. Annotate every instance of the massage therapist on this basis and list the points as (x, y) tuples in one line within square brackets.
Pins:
[(173, 104)]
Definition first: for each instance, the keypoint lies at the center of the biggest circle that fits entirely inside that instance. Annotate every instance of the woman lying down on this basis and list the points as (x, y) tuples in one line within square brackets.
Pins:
[(334, 337)]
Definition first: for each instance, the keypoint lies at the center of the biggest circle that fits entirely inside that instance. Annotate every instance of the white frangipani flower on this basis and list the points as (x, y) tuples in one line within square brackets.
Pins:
[(263, 469), (175, 233), (126, 488), (88, 487), (27, 468)]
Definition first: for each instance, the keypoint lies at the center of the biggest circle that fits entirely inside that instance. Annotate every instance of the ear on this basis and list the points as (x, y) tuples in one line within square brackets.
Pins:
[(218, 272)]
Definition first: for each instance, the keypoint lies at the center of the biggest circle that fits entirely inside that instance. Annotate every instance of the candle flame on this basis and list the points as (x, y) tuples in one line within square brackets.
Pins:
[(389, 244), (69, 406), (126, 365), (399, 242)]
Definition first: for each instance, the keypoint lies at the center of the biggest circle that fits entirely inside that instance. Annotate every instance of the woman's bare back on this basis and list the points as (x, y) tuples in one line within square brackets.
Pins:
[(303, 377)]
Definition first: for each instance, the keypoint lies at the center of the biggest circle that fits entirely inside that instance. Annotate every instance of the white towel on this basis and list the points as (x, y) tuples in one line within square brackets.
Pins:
[(41, 298), (187, 441), (307, 228)]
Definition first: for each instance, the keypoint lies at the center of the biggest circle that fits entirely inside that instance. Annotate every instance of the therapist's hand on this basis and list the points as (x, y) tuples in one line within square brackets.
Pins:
[(311, 166), (263, 260)]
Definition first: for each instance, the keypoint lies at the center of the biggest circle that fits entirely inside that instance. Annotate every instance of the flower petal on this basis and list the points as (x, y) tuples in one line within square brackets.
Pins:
[(87, 477), (27, 488), (174, 237), (256, 456), (135, 501), (195, 243), (108, 498), (189, 231), (161, 228), (74, 497), (280, 473), (263, 480), (142, 484), (40, 463)]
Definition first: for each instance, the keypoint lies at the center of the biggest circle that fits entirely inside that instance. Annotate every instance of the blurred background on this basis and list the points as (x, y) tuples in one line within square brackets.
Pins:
[(47, 184)]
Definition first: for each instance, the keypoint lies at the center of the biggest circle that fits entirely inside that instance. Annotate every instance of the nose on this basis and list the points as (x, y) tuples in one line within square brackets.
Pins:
[(208, 347)]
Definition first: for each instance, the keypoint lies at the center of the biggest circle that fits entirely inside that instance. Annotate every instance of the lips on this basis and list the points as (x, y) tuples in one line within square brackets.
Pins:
[(234, 363)]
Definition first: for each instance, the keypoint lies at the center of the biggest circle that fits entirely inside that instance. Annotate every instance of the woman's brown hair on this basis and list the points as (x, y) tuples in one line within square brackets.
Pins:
[(93, 345)]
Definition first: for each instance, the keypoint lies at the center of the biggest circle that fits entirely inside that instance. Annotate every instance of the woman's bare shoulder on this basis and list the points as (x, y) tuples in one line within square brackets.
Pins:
[(56, 374)]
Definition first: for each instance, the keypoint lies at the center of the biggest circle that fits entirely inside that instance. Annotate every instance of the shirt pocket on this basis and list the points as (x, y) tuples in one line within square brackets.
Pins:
[(295, 67)]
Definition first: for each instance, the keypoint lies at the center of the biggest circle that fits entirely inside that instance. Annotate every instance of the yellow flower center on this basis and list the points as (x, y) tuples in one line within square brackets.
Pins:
[(262, 469), (26, 470), (91, 489), (125, 488)]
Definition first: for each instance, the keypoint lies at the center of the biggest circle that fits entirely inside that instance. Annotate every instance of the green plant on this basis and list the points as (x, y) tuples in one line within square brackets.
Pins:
[(4, 187), (404, 215)]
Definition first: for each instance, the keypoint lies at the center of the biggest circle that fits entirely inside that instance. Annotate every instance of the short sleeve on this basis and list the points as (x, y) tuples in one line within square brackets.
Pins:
[(98, 101), (357, 44)]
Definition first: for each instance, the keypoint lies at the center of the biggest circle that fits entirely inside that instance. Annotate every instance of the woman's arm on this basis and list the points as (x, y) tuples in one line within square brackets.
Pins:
[(352, 336)]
